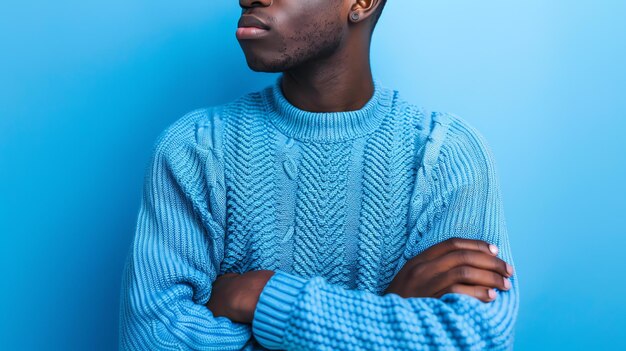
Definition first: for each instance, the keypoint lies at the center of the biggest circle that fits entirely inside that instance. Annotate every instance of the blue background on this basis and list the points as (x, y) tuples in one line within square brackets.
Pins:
[(86, 87)]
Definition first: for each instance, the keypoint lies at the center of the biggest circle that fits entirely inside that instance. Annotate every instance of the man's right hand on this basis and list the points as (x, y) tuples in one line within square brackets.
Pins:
[(457, 265)]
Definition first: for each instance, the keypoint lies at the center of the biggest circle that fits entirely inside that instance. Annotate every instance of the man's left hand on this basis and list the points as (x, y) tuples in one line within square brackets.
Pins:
[(235, 296)]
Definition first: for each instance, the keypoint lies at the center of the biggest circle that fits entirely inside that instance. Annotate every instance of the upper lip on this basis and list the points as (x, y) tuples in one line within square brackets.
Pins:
[(251, 21)]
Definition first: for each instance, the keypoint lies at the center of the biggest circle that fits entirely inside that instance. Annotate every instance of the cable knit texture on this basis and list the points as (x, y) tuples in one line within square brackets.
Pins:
[(335, 203)]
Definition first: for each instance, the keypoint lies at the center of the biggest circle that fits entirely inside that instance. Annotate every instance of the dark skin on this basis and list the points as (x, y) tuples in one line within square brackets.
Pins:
[(324, 57)]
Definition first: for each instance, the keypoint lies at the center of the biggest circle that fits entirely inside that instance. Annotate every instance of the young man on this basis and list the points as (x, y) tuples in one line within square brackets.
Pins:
[(324, 212)]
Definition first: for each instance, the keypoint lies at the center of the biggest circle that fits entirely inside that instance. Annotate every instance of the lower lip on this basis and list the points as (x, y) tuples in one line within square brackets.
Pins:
[(250, 32)]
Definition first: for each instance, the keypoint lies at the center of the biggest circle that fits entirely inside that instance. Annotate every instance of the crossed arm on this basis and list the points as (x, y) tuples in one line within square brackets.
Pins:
[(443, 298), (456, 265)]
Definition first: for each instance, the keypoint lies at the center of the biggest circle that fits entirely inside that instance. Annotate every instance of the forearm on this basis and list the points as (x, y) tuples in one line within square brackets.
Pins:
[(296, 313)]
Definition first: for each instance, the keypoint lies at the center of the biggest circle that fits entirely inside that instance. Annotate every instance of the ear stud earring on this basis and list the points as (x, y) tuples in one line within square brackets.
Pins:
[(354, 16)]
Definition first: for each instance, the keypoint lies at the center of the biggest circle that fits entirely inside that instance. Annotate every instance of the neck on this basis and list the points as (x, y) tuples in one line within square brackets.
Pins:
[(340, 82)]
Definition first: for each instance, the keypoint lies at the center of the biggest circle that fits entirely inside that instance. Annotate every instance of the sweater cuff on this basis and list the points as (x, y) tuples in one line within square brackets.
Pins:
[(272, 312)]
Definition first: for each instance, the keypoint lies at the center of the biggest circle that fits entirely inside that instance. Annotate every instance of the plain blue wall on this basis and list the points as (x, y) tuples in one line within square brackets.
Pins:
[(86, 87)]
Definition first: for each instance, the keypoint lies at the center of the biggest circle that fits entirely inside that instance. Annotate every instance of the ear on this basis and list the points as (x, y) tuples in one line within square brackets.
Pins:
[(363, 9)]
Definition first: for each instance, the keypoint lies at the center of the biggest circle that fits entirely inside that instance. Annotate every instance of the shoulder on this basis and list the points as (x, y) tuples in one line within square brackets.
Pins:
[(201, 127), (189, 130), (187, 151), (455, 148)]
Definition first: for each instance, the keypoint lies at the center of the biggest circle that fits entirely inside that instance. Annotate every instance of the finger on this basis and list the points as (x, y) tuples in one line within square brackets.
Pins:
[(454, 244), (472, 276), (476, 259), (483, 293)]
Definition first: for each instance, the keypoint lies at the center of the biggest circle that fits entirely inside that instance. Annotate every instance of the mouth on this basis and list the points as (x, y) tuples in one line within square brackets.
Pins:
[(251, 27)]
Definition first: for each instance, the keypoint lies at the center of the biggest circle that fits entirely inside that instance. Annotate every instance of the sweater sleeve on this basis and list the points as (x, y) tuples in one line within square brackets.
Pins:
[(177, 249), (456, 195)]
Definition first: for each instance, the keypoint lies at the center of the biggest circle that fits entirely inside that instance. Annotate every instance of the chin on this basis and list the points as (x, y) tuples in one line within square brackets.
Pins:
[(260, 64), (269, 58)]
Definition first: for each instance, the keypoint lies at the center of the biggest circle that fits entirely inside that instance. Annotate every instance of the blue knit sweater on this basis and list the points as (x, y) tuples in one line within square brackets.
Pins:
[(335, 203)]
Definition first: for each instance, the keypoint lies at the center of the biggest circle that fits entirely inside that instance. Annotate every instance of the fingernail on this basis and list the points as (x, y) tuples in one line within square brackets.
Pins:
[(507, 283), (509, 269), (493, 249), (492, 293)]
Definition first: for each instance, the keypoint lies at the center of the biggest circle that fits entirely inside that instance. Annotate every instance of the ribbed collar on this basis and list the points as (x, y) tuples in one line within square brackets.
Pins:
[(326, 126)]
